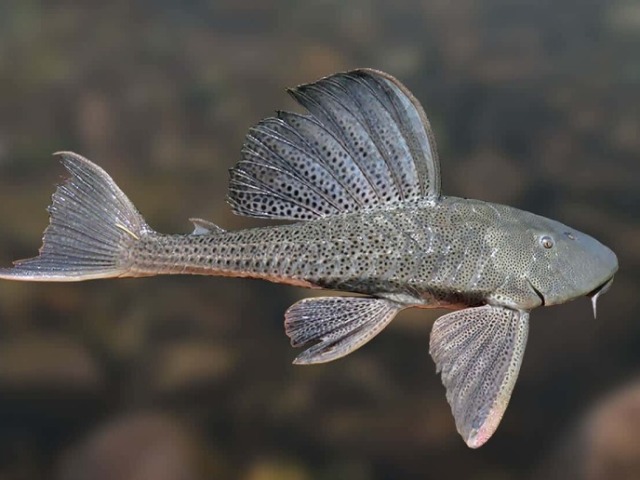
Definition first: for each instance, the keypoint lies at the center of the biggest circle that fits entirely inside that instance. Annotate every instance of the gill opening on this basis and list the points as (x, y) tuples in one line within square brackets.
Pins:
[(537, 292)]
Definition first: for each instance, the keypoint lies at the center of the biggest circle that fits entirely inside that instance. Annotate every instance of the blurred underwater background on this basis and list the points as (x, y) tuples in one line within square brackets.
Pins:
[(534, 104)]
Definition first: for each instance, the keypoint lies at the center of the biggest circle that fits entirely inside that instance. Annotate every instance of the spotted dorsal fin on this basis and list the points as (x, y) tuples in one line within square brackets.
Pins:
[(366, 142)]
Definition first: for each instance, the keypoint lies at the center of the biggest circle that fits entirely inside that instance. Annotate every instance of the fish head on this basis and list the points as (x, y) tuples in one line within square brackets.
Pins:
[(567, 264)]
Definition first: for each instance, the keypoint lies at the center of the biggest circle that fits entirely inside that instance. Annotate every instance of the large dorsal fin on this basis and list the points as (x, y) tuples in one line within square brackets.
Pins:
[(366, 142)]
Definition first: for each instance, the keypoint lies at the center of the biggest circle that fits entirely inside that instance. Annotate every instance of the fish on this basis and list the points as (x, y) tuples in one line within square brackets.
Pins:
[(358, 178)]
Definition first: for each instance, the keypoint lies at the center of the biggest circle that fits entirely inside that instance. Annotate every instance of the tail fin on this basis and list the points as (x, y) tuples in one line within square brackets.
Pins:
[(91, 228)]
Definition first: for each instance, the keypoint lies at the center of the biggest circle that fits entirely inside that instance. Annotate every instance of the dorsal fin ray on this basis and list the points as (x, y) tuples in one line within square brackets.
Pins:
[(366, 142), (330, 154), (337, 112), (411, 119)]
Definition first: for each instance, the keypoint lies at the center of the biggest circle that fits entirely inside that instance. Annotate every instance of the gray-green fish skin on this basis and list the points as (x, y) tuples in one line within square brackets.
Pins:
[(451, 252), (361, 173)]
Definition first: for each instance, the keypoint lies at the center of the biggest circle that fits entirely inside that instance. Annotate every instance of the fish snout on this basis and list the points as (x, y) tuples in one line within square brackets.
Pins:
[(599, 271)]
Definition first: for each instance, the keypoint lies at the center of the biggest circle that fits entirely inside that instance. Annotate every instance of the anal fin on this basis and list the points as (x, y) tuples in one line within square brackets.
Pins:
[(340, 325), (479, 352)]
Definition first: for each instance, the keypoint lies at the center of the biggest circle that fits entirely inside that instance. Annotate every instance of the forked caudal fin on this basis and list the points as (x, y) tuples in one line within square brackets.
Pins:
[(92, 225)]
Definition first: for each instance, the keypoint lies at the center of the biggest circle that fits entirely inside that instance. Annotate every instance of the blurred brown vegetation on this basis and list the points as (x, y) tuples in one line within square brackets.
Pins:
[(534, 104)]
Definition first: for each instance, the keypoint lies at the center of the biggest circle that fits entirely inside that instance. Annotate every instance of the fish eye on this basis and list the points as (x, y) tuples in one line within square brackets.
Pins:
[(546, 241)]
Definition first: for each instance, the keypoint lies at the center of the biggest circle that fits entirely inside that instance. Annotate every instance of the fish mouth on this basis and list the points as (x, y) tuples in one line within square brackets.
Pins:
[(595, 294)]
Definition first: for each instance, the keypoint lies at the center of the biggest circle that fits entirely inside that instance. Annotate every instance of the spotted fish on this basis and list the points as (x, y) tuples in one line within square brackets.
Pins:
[(359, 176)]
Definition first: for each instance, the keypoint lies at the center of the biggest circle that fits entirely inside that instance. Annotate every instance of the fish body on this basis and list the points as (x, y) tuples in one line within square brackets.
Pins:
[(450, 253), (360, 178)]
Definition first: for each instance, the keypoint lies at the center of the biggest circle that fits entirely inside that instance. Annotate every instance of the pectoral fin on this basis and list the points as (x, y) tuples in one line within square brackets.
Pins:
[(479, 352), (340, 325)]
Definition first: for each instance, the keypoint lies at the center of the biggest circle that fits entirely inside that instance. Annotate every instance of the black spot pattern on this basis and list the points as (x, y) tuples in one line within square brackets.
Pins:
[(438, 253), (384, 136), (367, 142), (340, 325), (479, 352)]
